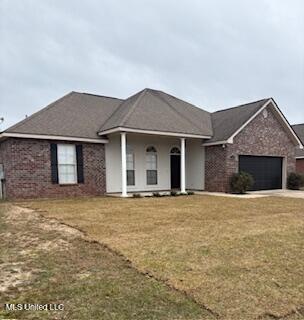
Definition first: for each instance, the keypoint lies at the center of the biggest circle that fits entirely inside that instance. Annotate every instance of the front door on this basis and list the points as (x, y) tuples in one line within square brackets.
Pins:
[(175, 171)]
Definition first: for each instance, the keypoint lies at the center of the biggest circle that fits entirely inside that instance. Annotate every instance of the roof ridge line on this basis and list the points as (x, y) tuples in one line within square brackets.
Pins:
[(169, 104), (241, 105), (128, 114), (115, 111), (99, 95), (181, 100), (35, 114), (110, 116)]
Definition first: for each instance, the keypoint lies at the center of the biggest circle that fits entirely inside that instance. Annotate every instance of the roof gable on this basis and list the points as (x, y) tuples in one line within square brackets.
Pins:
[(226, 122)]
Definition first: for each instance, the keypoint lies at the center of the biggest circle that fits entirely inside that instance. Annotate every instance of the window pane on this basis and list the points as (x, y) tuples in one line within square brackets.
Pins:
[(151, 177), (67, 173), (151, 161), (130, 177), (130, 162), (66, 154), (151, 165), (151, 149)]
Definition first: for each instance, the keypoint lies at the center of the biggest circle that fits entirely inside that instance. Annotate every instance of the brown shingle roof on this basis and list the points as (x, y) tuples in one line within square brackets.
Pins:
[(74, 115), (226, 122), (83, 115), (158, 111), (299, 130)]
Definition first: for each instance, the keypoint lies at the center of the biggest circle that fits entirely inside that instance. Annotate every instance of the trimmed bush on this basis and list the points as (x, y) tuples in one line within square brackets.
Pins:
[(241, 182), (137, 195), (173, 193), (156, 194), (295, 181), (190, 193)]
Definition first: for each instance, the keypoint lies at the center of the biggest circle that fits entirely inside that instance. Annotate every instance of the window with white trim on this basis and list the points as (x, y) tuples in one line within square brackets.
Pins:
[(151, 165), (130, 167), (67, 164)]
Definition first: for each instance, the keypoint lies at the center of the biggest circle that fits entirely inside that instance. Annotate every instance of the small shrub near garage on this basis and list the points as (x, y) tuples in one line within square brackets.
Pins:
[(295, 181), (241, 182)]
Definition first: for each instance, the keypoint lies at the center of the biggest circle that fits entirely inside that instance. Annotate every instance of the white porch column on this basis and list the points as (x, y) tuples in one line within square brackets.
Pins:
[(123, 165), (183, 167)]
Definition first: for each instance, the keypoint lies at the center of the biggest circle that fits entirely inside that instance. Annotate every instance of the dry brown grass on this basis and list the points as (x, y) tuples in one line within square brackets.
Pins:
[(242, 258), (43, 261)]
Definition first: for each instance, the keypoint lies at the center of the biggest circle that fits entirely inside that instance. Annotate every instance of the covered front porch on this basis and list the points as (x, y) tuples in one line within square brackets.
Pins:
[(147, 163)]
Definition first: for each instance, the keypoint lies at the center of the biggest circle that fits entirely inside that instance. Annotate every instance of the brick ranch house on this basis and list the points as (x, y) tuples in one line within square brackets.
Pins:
[(299, 130), (85, 144)]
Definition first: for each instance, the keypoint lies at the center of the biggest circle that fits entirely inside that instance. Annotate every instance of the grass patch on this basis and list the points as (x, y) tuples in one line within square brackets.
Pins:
[(45, 262), (241, 258)]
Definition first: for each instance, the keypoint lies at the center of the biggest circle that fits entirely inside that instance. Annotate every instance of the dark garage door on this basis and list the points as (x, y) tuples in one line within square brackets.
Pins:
[(266, 171)]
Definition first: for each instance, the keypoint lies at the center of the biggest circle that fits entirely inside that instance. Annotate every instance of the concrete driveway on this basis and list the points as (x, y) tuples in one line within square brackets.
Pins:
[(281, 193)]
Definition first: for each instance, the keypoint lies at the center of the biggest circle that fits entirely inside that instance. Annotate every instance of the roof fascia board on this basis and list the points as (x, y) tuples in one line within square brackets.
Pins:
[(297, 139), (207, 144), (266, 104), (152, 132), (48, 137)]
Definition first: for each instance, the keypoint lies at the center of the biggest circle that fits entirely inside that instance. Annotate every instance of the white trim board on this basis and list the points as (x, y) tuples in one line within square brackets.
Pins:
[(48, 137), (270, 101), (302, 157), (151, 132)]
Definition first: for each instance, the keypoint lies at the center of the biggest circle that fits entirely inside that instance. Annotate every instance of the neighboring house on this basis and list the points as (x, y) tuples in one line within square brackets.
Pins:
[(84, 144), (299, 130)]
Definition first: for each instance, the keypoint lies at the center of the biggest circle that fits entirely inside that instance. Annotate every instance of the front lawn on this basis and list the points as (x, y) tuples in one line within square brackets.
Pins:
[(43, 261), (240, 258)]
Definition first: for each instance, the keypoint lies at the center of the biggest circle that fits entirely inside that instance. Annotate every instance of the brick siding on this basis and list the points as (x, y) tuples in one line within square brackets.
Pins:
[(261, 137), (27, 169), (300, 166)]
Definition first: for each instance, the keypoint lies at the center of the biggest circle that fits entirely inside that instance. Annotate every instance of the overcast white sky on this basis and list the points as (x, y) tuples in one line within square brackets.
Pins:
[(213, 53)]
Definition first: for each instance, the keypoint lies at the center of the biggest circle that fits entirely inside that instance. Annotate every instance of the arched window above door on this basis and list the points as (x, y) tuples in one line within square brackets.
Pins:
[(175, 150)]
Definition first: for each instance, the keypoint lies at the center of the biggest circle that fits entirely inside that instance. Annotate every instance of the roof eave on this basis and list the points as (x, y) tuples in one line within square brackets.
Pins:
[(153, 132), (5, 135)]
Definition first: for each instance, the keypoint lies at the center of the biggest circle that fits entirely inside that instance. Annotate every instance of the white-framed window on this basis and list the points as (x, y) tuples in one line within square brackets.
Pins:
[(67, 164), (130, 166), (151, 165)]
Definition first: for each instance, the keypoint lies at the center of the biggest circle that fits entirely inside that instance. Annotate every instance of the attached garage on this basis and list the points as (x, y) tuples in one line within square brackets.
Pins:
[(266, 171)]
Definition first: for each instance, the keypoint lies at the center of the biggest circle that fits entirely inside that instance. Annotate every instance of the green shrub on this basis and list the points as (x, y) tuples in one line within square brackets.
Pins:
[(173, 193), (156, 194), (137, 195), (295, 181), (190, 193), (241, 182)]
